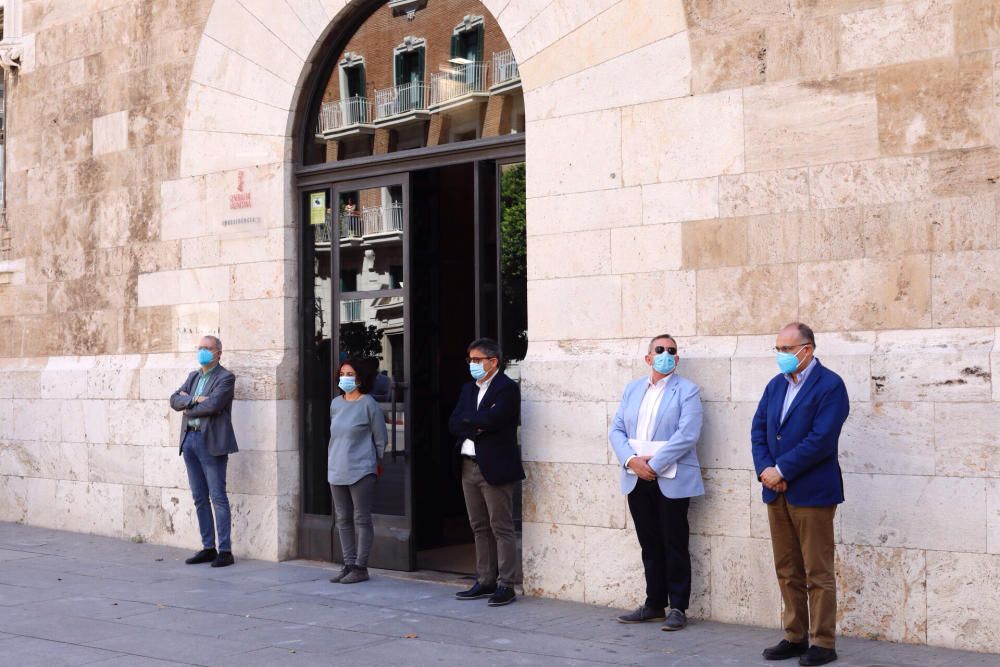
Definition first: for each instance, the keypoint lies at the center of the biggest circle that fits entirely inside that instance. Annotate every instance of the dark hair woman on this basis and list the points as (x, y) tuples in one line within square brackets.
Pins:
[(357, 441)]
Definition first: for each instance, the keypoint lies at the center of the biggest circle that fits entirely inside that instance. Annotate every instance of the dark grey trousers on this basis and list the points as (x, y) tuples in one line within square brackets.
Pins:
[(491, 515), (353, 507)]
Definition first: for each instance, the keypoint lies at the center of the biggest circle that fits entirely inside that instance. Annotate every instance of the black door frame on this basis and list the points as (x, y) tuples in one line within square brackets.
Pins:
[(316, 530)]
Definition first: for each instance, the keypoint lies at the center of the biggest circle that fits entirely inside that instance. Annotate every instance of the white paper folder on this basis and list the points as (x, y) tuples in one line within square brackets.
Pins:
[(649, 448)]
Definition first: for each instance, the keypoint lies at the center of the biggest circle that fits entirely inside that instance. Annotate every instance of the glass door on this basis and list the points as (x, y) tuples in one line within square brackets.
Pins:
[(360, 308)]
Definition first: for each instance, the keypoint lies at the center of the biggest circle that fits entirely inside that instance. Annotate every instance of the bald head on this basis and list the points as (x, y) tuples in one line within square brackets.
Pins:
[(798, 339)]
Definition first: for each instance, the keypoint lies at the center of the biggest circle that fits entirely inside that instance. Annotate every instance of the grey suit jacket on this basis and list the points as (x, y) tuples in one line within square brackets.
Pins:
[(215, 412)]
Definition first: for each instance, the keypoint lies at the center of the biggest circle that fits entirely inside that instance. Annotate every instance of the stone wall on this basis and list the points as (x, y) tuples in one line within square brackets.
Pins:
[(714, 168), (833, 162)]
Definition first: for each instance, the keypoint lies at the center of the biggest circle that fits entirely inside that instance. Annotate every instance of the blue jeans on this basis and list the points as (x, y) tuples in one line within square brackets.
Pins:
[(207, 477)]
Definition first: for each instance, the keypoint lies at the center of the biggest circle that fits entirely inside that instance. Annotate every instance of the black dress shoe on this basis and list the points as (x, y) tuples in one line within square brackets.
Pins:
[(643, 614), (817, 655), (203, 556), (224, 559), (785, 649), (676, 620), (504, 595), (477, 591)]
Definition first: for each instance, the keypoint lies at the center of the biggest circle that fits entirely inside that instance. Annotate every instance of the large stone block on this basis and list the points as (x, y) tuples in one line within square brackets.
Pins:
[(115, 464), (234, 26), (799, 124), (947, 514), (624, 80), (661, 301), (965, 172), (871, 182), (566, 255), (744, 588), (89, 507), (51, 460), (163, 467), (993, 516), (585, 210), (161, 516), (727, 60), (567, 165), (666, 141), (678, 201), (574, 494), (263, 280), (882, 593), (713, 243), (937, 105), (65, 377), (609, 34), (758, 299), (764, 192), (957, 592), (871, 294), (262, 425), (563, 432), (896, 34), (963, 289), (891, 438), (532, 28), (187, 286), (595, 305), (570, 378), (939, 365), (712, 375), (725, 436), (139, 423), (725, 507), (613, 571), (805, 49), (644, 249), (716, 16), (977, 25), (967, 439), (254, 472), (33, 420), (554, 564), (259, 324)]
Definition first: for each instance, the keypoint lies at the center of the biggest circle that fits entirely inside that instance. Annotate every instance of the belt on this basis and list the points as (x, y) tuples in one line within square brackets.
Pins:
[(192, 429)]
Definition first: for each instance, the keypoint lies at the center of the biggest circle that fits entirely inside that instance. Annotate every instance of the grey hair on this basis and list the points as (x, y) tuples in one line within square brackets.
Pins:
[(487, 345), (656, 338), (215, 340)]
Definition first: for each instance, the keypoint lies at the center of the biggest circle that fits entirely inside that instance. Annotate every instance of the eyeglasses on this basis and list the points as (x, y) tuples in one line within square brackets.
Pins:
[(477, 360), (659, 349), (789, 348)]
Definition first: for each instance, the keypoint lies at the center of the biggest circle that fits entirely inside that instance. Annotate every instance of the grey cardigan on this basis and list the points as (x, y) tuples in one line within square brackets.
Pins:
[(215, 412), (357, 439)]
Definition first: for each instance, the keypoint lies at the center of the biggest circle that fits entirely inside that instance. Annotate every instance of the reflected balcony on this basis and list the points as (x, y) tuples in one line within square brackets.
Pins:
[(342, 118), (459, 83), (505, 73), (402, 104)]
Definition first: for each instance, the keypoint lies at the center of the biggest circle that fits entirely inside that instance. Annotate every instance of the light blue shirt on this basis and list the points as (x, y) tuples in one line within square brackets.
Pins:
[(793, 391)]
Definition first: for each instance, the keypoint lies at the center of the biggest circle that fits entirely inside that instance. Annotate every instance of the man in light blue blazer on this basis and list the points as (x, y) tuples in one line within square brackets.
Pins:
[(654, 434)]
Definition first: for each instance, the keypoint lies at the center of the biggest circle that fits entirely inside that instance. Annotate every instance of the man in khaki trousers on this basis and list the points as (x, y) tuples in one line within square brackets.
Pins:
[(794, 437)]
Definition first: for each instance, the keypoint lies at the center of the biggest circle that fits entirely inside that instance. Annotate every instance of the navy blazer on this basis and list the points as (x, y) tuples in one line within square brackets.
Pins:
[(492, 426), (805, 445)]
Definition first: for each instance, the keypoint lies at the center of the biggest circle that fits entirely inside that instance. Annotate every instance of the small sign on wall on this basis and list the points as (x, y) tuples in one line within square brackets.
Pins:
[(317, 208)]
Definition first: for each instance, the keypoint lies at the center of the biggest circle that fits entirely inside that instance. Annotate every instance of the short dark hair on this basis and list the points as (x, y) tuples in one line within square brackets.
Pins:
[(805, 332), (363, 373), (656, 338), (489, 346)]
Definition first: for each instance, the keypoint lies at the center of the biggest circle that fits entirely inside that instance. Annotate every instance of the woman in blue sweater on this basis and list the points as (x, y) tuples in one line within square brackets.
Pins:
[(357, 442)]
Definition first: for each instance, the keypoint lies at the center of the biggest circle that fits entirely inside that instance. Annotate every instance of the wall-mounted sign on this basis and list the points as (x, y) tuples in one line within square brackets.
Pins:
[(317, 208), (241, 199)]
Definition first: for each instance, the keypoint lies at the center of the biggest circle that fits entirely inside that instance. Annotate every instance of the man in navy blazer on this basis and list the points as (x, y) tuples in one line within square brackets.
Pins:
[(663, 410), (794, 438), (484, 424)]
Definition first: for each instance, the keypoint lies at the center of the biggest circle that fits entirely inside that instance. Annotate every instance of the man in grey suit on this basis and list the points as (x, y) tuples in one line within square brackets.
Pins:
[(654, 434), (207, 440)]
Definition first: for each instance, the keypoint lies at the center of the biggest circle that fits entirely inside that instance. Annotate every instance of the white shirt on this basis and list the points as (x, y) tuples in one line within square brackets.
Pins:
[(469, 447), (650, 406)]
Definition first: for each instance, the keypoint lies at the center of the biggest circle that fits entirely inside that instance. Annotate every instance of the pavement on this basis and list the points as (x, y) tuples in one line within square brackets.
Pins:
[(73, 599)]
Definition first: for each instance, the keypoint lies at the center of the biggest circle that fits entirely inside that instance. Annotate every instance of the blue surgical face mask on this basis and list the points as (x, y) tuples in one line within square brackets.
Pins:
[(788, 362), (347, 384), (477, 371), (664, 363), (205, 356)]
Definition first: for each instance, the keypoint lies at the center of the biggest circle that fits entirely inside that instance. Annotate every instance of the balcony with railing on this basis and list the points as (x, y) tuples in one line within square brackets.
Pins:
[(402, 103), (339, 118), (379, 221), (459, 83), (505, 73)]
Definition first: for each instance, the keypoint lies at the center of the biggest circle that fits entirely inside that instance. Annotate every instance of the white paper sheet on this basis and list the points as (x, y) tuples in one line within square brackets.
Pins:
[(649, 448)]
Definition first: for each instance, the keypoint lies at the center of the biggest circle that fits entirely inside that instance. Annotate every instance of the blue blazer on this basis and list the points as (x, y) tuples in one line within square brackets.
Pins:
[(678, 422), (805, 445)]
